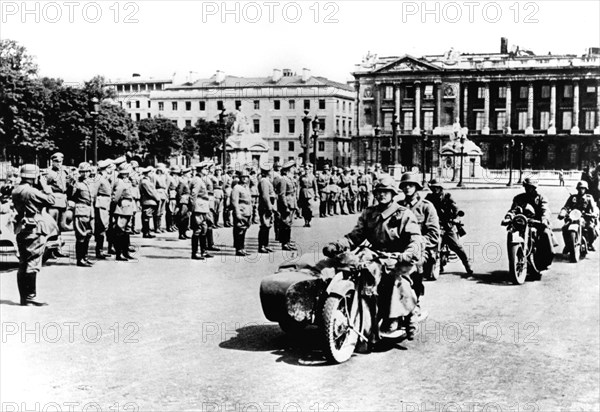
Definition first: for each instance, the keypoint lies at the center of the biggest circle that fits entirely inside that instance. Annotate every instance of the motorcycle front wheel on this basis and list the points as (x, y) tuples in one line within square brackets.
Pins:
[(517, 263), (340, 316), (575, 254)]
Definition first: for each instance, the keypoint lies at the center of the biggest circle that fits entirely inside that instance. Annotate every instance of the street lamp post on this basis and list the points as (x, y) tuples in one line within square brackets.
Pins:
[(454, 161), (306, 138), (462, 156), (394, 155), (511, 143), (376, 131), (223, 142), (423, 152), (520, 162), (315, 127), (95, 112)]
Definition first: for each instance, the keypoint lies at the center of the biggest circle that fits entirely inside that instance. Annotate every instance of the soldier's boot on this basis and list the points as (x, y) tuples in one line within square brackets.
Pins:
[(323, 209), (80, 255), (100, 247), (133, 229), (157, 221), (84, 251), (127, 248), (204, 247), (31, 292), (146, 228), (266, 240), (120, 248), (23, 286), (210, 242)]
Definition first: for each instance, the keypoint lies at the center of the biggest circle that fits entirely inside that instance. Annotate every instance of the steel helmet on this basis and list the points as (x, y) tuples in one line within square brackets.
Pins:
[(410, 178), (583, 184), (84, 167), (386, 182), (29, 171), (528, 181)]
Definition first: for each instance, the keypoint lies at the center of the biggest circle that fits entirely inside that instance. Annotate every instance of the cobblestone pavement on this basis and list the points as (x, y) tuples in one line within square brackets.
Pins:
[(168, 333)]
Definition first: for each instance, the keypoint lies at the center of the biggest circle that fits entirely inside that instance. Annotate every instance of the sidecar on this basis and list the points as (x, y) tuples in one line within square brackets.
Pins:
[(294, 294)]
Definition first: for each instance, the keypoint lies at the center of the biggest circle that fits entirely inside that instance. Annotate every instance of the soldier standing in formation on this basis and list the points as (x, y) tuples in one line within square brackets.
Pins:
[(241, 203), (266, 208), (200, 211), (172, 183), (150, 200), (161, 185), (82, 195), (308, 192), (183, 200), (286, 205), (102, 207), (124, 206), (218, 182), (323, 187), (58, 180)]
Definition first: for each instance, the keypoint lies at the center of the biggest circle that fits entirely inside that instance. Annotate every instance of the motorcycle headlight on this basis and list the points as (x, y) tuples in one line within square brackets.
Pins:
[(575, 215)]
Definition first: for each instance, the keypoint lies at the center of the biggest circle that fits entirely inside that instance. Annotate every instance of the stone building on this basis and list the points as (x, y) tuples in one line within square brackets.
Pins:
[(543, 110), (275, 106)]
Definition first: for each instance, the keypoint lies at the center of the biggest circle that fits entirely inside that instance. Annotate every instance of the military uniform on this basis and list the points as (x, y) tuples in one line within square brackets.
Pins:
[(586, 204), (200, 209), (183, 200), (286, 206), (241, 203), (227, 188), (123, 213), (365, 183), (150, 199), (447, 213), (323, 187), (266, 212), (82, 196), (218, 183), (161, 184), (32, 231), (58, 181), (344, 183), (210, 190), (172, 183), (308, 191), (101, 213), (334, 194)]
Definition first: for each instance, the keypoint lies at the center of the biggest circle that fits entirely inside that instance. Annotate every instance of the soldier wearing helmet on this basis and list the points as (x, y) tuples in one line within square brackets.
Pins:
[(585, 203), (82, 196), (430, 227), (539, 203), (322, 186), (32, 230), (394, 232), (58, 180), (103, 192)]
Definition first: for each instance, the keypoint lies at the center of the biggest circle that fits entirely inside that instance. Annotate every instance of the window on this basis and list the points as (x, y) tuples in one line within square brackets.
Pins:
[(409, 93), (174, 105), (238, 104), (479, 120), (291, 126), (350, 107), (149, 104), (337, 105), (291, 158), (257, 105), (481, 92), (389, 92), (292, 105), (545, 92), (337, 126), (276, 146), (277, 104), (188, 123), (276, 159), (306, 104), (522, 124), (202, 105), (119, 88), (120, 103), (126, 87), (137, 104), (161, 106), (174, 122), (408, 120), (256, 124), (149, 116), (502, 92), (322, 104), (568, 91), (544, 120), (276, 126), (429, 91), (343, 106), (590, 89), (590, 120), (291, 146), (567, 120), (321, 147), (321, 124), (188, 106), (343, 128), (349, 127), (500, 120), (138, 117), (523, 92), (220, 105), (129, 105)]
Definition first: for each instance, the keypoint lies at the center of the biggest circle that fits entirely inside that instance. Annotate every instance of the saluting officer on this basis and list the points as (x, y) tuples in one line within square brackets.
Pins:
[(82, 195), (241, 202), (32, 230), (286, 205), (266, 208)]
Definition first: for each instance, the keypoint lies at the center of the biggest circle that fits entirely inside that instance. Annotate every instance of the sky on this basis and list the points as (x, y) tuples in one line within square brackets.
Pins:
[(75, 40)]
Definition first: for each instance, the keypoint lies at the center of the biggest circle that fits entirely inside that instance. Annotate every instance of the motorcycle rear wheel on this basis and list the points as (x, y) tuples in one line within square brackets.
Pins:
[(584, 247), (517, 263), (339, 339), (575, 253)]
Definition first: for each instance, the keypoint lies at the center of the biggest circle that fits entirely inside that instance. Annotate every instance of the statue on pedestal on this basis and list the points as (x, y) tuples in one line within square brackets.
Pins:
[(243, 145)]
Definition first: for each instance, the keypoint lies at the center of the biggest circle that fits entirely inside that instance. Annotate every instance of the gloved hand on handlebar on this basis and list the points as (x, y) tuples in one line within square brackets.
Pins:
[(332, 250)]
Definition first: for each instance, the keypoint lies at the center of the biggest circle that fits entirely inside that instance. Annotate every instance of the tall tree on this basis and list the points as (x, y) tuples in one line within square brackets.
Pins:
[(159, 138)]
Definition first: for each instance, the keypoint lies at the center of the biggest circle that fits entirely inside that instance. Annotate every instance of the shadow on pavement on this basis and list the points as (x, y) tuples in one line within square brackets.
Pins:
[(9, 303), (497, 277), (300, 350)]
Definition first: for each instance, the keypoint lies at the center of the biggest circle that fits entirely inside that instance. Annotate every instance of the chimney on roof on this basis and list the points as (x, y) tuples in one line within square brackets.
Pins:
[(503, 45), (220, 77), (305, 75), (135, 75), (276, 75)]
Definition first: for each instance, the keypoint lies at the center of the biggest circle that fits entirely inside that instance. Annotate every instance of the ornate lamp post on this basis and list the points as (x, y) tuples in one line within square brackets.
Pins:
[(462, 156), (454, 161), (305, 143), (376, 132), (223, 142), (511, 144), (520, 162), (395, 155), (95, 111), (423, 153), (315, 136)]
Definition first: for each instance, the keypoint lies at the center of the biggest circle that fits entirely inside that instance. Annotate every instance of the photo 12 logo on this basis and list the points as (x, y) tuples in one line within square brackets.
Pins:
[(269, 11), (469, 11), (68, 11)]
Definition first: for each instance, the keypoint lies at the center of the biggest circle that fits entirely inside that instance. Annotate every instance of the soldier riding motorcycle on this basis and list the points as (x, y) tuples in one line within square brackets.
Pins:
[(359, 294), (581, 223), (530, 242)]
